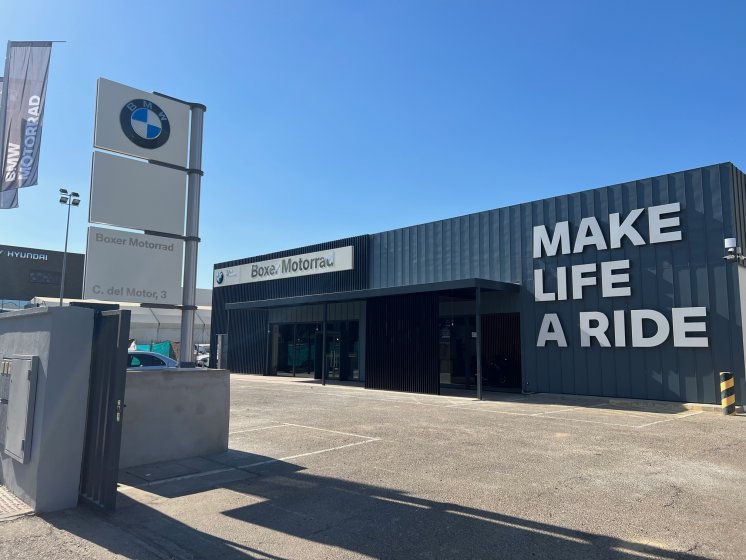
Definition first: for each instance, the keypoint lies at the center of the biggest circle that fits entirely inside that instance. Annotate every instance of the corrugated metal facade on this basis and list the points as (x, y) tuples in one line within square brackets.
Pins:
[(497, 245), (501, 350), (402, 343), (247, 344)]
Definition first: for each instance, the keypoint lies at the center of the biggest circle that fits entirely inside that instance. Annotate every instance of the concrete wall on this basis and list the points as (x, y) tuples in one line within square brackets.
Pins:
[(50, 479), (174, 414)]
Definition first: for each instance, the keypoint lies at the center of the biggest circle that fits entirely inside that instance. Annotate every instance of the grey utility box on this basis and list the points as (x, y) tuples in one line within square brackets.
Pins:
[(18, 394), (55, 344)]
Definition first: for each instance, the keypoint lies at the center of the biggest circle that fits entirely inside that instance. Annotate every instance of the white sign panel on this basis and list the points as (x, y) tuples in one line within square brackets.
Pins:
[(320, 262), (137, 195), (137, 123), (134, 267)]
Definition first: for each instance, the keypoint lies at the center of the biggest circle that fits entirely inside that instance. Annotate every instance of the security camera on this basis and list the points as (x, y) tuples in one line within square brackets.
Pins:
[(734, 251)]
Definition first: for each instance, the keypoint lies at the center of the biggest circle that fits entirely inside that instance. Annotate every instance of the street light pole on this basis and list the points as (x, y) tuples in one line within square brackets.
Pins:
[(73, 199)]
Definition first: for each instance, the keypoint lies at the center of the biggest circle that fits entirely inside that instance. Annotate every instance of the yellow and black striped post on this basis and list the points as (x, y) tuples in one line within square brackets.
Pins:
[(727, 393)]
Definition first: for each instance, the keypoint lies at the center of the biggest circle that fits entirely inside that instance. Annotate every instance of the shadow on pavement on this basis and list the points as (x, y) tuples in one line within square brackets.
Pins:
[(363, 519)]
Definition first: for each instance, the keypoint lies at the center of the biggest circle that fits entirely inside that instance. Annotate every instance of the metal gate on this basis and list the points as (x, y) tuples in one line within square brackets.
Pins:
[(98, 479)]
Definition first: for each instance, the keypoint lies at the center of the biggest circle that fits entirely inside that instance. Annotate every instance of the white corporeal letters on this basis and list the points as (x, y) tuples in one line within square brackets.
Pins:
[(551, 331), (647, 327), (590, 233)]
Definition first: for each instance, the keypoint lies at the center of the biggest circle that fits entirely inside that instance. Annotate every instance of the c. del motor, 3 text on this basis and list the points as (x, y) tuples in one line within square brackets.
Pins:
[(130, 292)]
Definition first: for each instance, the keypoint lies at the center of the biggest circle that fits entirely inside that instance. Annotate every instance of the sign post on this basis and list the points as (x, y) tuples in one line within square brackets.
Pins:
[(186, 350), (148, 196)]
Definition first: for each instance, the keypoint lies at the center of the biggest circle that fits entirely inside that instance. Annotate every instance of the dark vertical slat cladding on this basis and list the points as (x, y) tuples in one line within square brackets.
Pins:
[(686, 273), (648, 263), (667, 294), (248, 334), (738, 215), (402, 343), (501, 339), (401, 332), (248, 356), (716, 284), (738, 189)]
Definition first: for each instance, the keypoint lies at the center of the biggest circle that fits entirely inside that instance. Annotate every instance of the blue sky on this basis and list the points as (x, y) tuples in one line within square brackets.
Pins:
[(335, 118)]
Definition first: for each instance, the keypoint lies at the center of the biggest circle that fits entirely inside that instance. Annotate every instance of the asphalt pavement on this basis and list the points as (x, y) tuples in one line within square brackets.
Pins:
[(343, 472)]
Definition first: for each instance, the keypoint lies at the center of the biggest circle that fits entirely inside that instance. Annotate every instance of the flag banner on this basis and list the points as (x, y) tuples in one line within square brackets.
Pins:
[(8, 199), (22, 112)]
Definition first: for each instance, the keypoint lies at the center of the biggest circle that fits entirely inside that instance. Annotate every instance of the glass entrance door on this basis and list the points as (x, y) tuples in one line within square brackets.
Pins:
[(458, 351), (333, 350), (304, 357), (280, 350), (342, 342), (296, 350), (293, 349)]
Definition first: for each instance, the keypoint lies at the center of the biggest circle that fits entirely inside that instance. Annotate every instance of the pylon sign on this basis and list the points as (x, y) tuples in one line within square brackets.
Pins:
[(133, 194), (133, 267), (147, 194), (137, 123)]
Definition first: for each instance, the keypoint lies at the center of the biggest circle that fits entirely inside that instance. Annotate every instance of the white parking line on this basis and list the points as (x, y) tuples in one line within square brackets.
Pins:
[(308, 453), (257, 429), (330, 431), (674, 418), (563, 410), (469, 404), (251, 465), (458, 405), (286, 424), (590, 422)]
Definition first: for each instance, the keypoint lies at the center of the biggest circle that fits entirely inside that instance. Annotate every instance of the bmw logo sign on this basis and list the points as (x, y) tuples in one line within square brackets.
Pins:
[(219, 277), (145, 124)]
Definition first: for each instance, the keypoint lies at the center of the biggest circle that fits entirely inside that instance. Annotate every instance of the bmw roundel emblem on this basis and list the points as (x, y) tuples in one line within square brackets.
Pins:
[(145, 124), (219, 277)]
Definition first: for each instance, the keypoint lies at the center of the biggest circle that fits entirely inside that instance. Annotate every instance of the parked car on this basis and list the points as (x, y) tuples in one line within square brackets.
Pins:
[(149, 360), (203, 360)]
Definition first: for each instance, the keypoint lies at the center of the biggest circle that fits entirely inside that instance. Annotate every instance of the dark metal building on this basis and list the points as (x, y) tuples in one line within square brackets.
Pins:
[(620, 291), (26, 273)]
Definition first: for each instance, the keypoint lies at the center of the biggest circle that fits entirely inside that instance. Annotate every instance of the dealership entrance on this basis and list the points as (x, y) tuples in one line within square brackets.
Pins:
[(495, 345), (500, 352), (463, 334), (305, 349), (624, 291)]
